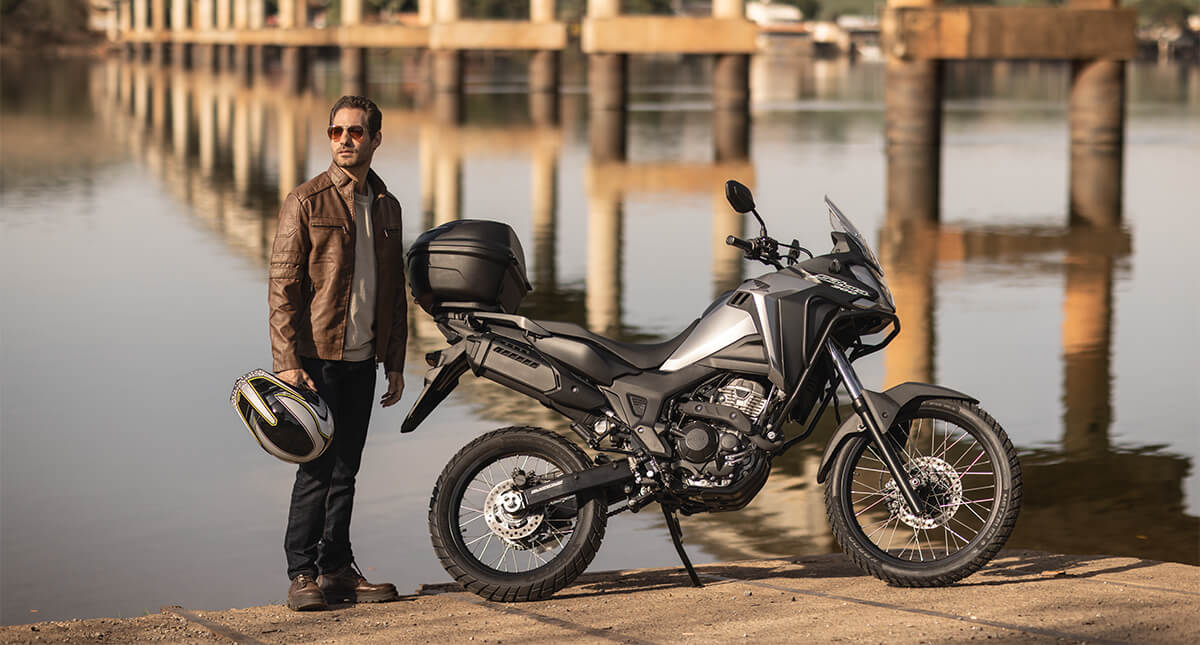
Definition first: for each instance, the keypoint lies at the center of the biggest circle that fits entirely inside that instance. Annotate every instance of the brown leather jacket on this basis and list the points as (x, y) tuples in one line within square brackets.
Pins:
[(312, 264)]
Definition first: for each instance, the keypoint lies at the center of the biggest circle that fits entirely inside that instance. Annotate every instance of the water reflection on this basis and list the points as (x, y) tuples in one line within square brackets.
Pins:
[(605, 198), (209, 139)]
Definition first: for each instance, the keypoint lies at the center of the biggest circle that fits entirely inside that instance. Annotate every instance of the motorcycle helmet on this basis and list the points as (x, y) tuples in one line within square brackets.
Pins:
[(291, 423)]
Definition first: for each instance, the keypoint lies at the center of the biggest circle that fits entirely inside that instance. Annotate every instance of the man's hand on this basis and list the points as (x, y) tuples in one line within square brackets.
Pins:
[(297, 377), (395, 389)]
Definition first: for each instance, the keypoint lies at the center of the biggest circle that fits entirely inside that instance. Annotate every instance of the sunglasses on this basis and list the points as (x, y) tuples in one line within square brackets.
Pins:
[(357, 132)]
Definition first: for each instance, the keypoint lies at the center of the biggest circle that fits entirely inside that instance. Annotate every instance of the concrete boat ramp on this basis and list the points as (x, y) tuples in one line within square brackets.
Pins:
[(1023, 596)]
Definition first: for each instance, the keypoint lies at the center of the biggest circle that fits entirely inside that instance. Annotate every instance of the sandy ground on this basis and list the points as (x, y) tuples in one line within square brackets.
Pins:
[(1025, 597)]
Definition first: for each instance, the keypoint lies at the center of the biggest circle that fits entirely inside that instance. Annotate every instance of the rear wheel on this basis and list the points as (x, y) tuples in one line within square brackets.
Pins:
[(484, 537), (965, 474)]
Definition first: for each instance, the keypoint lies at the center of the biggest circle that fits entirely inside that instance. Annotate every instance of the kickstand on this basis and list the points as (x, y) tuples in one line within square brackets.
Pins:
[(677, 539)]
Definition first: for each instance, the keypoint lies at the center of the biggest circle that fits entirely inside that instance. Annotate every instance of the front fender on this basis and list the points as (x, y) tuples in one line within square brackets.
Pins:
[(887, 405), (440, 381)]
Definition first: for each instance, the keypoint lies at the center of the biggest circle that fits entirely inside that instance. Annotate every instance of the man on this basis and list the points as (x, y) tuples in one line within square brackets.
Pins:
[(337, 306)]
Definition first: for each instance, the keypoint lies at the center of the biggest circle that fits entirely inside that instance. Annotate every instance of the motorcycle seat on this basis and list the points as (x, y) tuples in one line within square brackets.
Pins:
[(642, 356)]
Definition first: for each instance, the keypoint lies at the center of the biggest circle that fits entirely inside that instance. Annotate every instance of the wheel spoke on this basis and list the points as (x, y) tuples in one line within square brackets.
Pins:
[(873, 505)]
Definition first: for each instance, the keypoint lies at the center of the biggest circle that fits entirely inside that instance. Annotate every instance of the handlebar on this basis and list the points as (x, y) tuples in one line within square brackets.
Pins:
[(740, 243), (763, 249)]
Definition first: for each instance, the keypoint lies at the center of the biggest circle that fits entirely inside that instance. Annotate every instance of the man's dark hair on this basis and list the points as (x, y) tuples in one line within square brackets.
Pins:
[(374, 116)]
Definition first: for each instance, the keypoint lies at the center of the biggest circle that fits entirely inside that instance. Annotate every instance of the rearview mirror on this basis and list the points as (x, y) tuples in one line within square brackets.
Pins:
[(739, 197)]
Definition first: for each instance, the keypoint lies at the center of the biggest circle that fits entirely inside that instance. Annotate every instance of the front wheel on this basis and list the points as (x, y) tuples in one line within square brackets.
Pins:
[(485, 537), (965, 474)]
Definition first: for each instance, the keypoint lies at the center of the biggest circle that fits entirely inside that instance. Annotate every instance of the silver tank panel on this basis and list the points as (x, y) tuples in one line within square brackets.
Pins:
[(723, 326)]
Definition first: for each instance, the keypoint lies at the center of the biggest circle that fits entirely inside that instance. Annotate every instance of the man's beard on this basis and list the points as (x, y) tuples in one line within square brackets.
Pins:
[(348, 162)]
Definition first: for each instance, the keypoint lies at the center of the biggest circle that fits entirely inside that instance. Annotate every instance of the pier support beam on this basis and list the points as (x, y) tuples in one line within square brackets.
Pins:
[(543, 87), (181, 55), (1097, 123), (545, 220), (607, 79), (909, 254), (448, 86), (543, 71), (243, 63), (731, 106), (727, 260), (354, 71), (913, 134), (447, 201), (605, 215), (1087, 350), (294, 64)]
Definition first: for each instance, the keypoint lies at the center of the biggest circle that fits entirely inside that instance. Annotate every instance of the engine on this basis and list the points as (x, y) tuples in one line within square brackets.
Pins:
[(718, 463)]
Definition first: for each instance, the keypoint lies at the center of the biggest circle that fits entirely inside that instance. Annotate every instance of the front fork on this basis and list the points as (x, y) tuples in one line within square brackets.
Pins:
[(871, 421)]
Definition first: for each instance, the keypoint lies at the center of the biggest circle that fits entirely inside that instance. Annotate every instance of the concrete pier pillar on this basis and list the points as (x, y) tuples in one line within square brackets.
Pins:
[(731, 106), (243, 63), (541, 10), (159, 53), (292, 140), (446, 10), (543, 87), (354, 70), (125, 89), (141, 15), (729, 8), (206, 126), (204, 57), (913, 134), (225, 58), (1097, 122), (112, 23), (241, 14), (447, 70), (607, 80), (181, 55), (158, 106), (545, 225), (125, 15), (158, 16), (241, 144), (427, 159), (294, 65), (908, 252), (181, 123), (448, 86), (141, 98), (202, 15), (256, 14), (727, 261), (543, 71), (224, 101), (426, 12), (605, 215), (1087, 351), (180, 11), (603, 8), (352, 12), (224, 15), (293, 14), (447, 200)]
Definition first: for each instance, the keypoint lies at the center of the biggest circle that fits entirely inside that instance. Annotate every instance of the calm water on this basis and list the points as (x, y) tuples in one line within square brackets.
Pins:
[(137, 206)]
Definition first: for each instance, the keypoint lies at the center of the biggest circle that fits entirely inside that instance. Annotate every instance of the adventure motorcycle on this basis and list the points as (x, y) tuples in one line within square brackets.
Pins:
[(922, 486)]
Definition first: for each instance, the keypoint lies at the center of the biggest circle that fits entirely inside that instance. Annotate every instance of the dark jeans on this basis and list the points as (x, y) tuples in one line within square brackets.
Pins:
[(318, 532)]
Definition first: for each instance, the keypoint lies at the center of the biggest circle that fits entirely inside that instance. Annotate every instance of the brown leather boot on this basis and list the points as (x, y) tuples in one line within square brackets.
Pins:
[(304, 594), (348, 585)]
